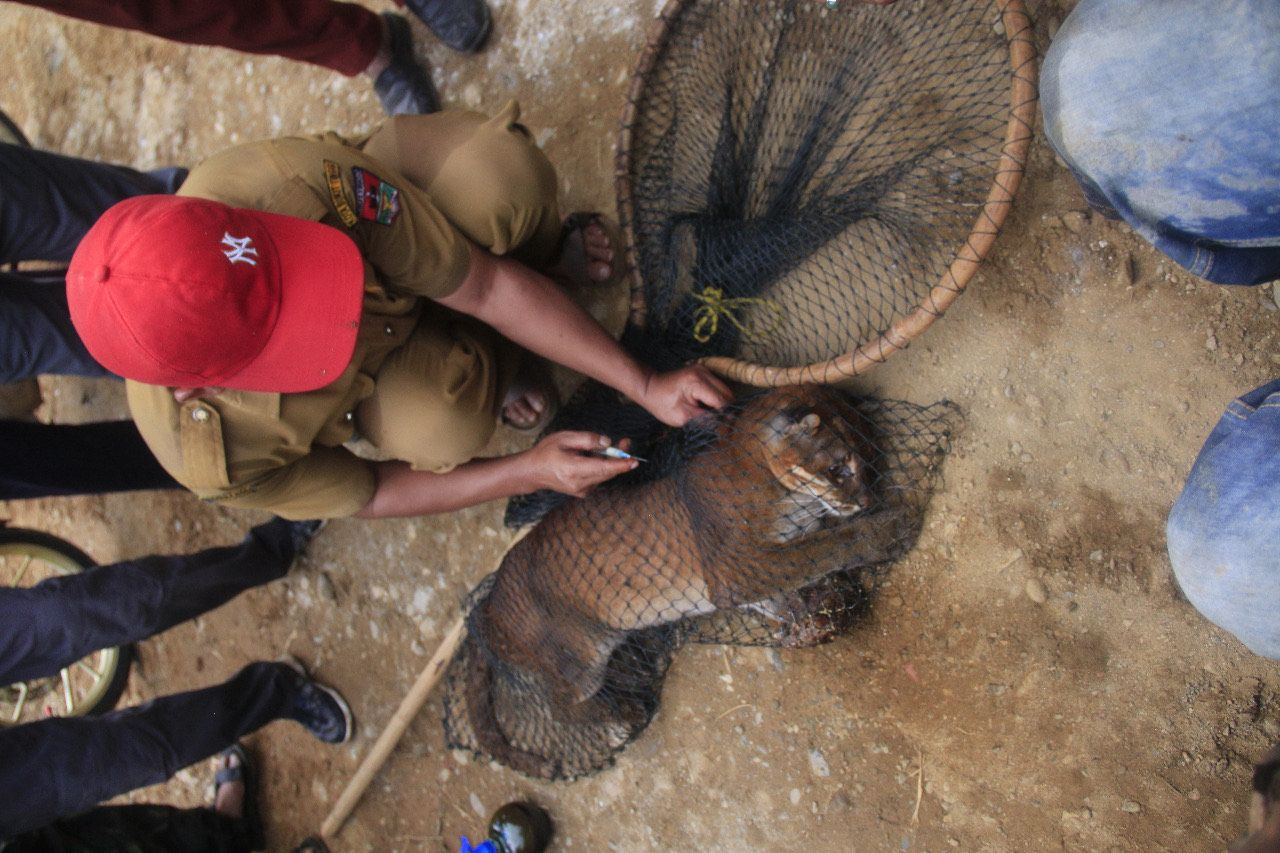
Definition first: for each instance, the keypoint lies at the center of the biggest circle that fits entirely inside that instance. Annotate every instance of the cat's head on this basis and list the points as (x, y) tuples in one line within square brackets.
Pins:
[(815, 446)]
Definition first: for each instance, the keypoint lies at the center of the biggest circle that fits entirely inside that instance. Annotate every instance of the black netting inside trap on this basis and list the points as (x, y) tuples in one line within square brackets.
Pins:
[(760, 525), (801, 176)]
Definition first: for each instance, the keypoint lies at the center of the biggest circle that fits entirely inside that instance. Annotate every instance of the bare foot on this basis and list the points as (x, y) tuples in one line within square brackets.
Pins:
[(530, 397), (587, 252), (523, 408)]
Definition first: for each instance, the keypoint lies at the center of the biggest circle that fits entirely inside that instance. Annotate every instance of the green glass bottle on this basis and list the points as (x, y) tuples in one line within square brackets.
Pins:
[(520, 828)]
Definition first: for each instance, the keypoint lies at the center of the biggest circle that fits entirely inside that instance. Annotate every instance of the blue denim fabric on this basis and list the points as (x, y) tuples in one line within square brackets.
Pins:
[(61, 619), (38, 336), (1168, 115), (48, 201), (38, 460), (60, 766), (1224, 531)]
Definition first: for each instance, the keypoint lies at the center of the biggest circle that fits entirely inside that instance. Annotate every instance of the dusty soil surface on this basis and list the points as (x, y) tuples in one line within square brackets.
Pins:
[(1030, 679)]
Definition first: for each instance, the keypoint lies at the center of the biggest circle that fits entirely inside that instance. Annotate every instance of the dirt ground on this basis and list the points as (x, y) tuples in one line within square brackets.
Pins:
[(1031, 678)]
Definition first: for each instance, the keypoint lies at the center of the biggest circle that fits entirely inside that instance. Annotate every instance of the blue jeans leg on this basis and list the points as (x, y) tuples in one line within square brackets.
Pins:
[(38, 336), (1166, 111), (48, 201), (42, 460), (1224, 531), (50, 625), (63, 765)]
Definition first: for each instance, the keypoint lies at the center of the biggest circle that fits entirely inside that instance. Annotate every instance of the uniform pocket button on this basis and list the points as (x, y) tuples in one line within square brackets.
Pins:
[(390, 331), (199, 414)]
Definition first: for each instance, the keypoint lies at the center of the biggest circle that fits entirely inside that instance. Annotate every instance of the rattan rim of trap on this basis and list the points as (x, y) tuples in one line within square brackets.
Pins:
[(1023, 96)]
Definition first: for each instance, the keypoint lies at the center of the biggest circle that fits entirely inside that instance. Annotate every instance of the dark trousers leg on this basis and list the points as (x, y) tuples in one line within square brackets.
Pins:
[(39, 337), (343, 37), (48, 201), (137, 829), (43, 460), (64, 765), (60, 620)]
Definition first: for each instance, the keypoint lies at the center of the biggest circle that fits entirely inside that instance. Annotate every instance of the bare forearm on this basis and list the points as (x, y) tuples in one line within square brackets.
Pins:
[(403, 492), (567, 335), (568, 462), (528, 308)]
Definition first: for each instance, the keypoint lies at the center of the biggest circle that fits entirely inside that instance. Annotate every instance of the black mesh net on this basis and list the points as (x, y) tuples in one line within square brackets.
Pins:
[(762, 525), (797, 178), (800, 176)]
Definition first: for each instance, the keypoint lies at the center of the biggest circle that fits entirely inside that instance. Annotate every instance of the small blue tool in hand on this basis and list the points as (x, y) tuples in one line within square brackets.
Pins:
[(619, 453)]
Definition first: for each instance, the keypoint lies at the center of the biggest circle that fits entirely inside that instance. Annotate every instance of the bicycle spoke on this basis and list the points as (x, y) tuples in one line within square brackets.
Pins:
[(21, 703), (22, 570), (81, 684), (66, 691), (85, 666)]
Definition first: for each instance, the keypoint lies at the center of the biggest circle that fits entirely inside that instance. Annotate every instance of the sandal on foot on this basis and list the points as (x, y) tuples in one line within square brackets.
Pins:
[(243, 772)]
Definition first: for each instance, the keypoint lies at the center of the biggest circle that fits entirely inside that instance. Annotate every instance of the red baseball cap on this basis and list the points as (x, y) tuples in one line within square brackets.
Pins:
[(189, 293)]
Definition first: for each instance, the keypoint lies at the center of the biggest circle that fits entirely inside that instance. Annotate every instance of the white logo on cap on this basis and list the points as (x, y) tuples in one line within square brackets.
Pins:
[(239, 249)]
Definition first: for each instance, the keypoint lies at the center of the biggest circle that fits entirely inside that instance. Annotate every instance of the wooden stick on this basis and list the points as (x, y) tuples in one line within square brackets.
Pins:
[(409, 708)]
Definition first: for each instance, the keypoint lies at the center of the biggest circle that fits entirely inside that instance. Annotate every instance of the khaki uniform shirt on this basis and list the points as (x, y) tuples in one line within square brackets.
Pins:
[(284, 451)]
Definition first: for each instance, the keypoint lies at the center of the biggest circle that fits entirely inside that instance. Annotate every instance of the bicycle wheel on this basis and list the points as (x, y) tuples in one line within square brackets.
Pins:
[(90, 685)]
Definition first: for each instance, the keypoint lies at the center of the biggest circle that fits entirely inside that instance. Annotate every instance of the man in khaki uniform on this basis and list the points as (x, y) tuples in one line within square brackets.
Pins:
[(302, 289)]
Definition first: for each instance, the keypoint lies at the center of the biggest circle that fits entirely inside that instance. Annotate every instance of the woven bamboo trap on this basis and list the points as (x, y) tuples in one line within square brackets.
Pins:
[(805, 186)]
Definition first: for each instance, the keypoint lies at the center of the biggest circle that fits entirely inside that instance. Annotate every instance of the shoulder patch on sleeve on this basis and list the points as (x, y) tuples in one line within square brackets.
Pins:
[(333, 176), (376, 200)]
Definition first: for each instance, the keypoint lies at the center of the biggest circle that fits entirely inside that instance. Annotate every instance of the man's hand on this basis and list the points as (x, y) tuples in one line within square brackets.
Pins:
[(676, 397), (562, 462)]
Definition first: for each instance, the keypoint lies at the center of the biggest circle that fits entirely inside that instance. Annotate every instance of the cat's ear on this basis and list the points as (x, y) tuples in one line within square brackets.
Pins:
[(808, 424)]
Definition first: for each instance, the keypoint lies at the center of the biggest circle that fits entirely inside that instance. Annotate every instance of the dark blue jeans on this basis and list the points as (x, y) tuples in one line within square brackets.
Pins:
[(1166, 113), (47, 203), (1224, 531), (60, 620), (62, 766), (137, 829), (42, 460), (38, 336)]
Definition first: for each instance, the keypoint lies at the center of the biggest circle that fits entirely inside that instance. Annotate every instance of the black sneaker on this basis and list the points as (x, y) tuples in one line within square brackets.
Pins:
[(320, 710), (404, 87), (461, 24), (302, 532)]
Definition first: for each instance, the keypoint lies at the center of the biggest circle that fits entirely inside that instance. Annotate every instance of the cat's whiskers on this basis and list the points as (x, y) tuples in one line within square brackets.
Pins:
[(819, 498)]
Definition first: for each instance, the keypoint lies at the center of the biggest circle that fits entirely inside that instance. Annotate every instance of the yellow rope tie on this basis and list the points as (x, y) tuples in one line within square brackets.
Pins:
[(715, 305)]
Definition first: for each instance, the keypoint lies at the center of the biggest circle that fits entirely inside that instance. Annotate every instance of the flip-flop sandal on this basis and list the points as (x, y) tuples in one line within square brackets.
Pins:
[(243, 772), (534, 375)]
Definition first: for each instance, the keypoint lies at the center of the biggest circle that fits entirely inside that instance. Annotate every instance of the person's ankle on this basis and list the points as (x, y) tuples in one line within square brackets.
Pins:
[(382, 58), (229, 785)]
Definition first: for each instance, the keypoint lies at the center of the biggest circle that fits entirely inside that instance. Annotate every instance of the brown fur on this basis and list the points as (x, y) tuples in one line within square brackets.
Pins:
[(744, 523)]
